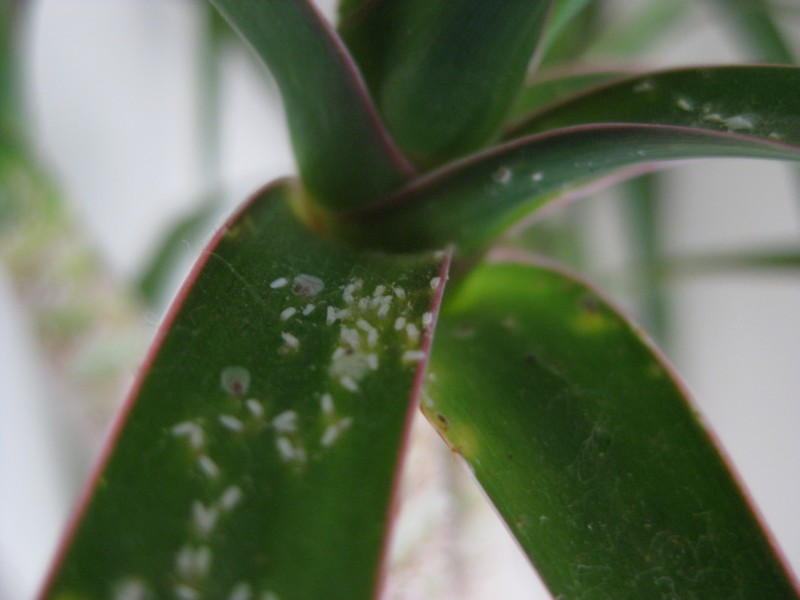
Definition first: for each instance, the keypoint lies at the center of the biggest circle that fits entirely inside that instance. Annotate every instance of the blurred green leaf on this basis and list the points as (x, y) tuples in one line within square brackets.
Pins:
[(444, 74), (629, 35), (587, 446), (345, 156), (474, 200), (259, 450), (754, 21), (563, 13), (751, 100), (550, 90)]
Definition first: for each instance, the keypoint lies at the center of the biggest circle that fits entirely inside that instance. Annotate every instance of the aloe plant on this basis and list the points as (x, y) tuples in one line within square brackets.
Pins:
[(259, 450)]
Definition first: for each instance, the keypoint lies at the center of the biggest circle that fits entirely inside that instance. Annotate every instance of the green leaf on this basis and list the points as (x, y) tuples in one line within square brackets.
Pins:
[(549, 90), (444, 74), (588, 447), (345, 156), (755, 24), (564, 12), (752, 100), (259, 450), (471, 201)]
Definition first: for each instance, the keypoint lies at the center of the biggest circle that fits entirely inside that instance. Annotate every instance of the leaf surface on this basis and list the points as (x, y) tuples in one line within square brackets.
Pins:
[(469, 202), (260, 447), (588, 447), (752, 100), (444, 74), (345, 156)]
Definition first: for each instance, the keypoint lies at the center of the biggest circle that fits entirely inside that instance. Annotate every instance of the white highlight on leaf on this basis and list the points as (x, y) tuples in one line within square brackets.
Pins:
[(644, 86), (279, 283)]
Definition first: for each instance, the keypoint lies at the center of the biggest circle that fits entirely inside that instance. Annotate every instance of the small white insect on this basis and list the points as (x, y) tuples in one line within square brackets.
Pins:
[(326, 403), (384, 309), (333, 431), (230, 498), (235, 380), (279, 283), (204, 517), (231, 422), (290, 342), (307, 286), (192, 432), (208, 466), (399, 292), (185, 592), (435, 282), (255, 408), (308, 309), (193, 562), (427, 318), (330, 318), (502, 175), (379, 290), (285, 422), (241, 591), (685, 104), (372, 361), (399, 323), (412, 333), (538, 176), (288, 313), (412, 356), (349, 383), (131, 589)]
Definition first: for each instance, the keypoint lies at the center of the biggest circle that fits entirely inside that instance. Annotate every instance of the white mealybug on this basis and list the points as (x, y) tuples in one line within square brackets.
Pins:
[(290, 342), (131, 589), (427, 319), (412, 356), (326, 403), (279, 283), (241, 591), (208, 466), (185, 592), (255, 408), (307, 286), (285, 422), (231, 422), (204, 517), (399, 323), (288, 313), (235, 380), (412, 333), (192, 432), (435, 282), (308, 309), (230, 498)]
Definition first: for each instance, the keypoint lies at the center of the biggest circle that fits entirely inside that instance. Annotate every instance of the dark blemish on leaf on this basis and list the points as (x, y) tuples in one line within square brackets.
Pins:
[(531, 360), (443, 420), (307, 285)]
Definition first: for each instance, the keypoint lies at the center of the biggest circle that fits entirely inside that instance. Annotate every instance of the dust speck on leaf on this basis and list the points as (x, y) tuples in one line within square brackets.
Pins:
[(502, 175)]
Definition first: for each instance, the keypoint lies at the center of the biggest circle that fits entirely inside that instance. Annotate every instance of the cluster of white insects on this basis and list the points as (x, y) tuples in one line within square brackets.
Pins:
[(363, 318)]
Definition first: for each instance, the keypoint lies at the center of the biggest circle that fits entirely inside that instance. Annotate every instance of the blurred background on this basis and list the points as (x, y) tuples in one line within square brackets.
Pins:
[(151, 123)]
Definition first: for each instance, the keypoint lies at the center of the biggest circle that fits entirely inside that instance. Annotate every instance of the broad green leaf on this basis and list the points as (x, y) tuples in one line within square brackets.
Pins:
[(444, 74), (751, 100), (345, 156), (471, 201), (588, 447), (260, 447), (549, 90)]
